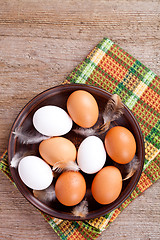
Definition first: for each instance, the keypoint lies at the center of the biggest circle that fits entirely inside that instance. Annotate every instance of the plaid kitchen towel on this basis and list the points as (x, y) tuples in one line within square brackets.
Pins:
[(113, 69)]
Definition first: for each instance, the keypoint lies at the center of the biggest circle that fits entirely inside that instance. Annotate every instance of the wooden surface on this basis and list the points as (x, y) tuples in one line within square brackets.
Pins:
[(41, 42)]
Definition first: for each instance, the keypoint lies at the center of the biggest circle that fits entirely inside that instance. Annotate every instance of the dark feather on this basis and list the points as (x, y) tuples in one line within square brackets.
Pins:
[(85, 131), (112, 111), (127, 170), (132, 167)]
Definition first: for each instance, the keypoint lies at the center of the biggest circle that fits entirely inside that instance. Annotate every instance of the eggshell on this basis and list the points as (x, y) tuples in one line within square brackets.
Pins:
[(57, 149), (120, 144), (35, 173), (83, 108), (107, 185), (91, 155), (70, 188), (52, 121)]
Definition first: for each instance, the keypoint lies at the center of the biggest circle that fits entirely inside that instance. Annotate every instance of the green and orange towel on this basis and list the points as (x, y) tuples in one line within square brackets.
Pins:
[(110, 67)]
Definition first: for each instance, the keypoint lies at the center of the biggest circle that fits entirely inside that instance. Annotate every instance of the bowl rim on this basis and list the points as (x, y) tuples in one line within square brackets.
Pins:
[(43, 207)]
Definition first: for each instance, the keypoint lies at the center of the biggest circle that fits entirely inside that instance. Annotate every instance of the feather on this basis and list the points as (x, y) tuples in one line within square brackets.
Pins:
[(27, 137), (46, 195), (114, 108), (127, 170), (65, 166), (112, 111), (16, 159), (132, 167), (81, 210), (85, 131)]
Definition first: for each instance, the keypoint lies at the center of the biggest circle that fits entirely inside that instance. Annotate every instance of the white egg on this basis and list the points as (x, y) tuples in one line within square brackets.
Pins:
[(52, 121), (91, 155), (35, 173)]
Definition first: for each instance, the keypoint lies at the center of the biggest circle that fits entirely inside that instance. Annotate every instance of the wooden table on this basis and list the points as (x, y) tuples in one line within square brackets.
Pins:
[(41, 41)]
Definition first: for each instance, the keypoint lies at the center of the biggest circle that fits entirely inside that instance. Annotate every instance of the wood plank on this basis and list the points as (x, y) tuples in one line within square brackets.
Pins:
[(41, 42)]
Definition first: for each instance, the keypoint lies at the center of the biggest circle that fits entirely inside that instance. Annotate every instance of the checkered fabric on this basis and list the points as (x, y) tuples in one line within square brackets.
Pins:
[(113, 69)]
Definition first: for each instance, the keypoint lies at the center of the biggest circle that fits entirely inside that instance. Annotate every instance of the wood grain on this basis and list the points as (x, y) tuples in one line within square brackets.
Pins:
[(40, 44)]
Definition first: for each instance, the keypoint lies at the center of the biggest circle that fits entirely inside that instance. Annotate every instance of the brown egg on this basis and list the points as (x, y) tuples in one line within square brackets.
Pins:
[(70, 188), (83, 108), (120, 144), (57, 149), (107, 185)]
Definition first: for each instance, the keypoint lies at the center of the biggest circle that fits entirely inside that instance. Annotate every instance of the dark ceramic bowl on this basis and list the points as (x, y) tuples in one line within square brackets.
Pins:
[(58, 96)]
